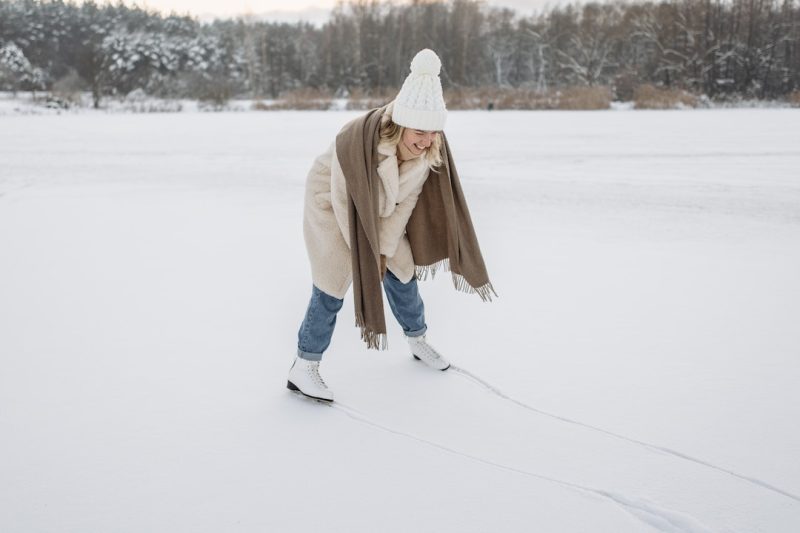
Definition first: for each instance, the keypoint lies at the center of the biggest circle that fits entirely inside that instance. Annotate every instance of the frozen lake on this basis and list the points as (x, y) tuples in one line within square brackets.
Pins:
[(642, 359)]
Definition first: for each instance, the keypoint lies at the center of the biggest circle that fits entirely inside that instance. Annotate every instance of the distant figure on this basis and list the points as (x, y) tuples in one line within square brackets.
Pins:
[(383, 205), (490, 106)]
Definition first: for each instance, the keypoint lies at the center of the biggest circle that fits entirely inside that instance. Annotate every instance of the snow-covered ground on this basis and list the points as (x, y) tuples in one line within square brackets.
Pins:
[(25, 103), (638, 372)]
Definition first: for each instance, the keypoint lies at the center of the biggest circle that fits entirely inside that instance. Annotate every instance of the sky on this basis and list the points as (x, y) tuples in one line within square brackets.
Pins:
[(312, 10)]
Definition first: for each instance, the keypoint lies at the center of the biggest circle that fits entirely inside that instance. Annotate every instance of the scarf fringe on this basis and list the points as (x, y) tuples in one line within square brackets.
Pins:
[(459, 282), (423, 271), (374, 340), (485, 291)]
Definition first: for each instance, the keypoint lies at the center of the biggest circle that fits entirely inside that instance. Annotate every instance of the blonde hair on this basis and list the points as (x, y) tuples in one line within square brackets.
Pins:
[(391, 133)]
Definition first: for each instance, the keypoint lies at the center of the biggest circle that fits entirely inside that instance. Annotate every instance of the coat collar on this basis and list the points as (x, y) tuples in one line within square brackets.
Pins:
[(392, 172), (395, 177)]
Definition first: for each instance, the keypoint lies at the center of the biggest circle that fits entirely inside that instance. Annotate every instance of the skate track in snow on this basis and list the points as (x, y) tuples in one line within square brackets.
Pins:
[(655, 447), (643, 509)]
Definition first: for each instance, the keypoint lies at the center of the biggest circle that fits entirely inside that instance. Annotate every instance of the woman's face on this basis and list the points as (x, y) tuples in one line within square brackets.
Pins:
[(417, 141)]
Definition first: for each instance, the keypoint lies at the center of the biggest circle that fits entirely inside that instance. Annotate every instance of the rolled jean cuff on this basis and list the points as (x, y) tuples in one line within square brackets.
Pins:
[(309, 356), (418, 333)]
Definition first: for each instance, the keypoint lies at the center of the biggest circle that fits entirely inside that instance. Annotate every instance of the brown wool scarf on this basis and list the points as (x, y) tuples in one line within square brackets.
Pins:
[(439, 230)]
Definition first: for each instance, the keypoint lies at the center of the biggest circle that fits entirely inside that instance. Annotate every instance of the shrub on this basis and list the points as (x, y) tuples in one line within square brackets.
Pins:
[(471, 97), (521, 98), (303, 99), (137, 101), (360, 99), (526, 98), (260, 105), (68, 88), (487, 98), (55, 102), (625, 84), (215, 93), (211, 93), (651, 97), (588, 98), (794, 98)]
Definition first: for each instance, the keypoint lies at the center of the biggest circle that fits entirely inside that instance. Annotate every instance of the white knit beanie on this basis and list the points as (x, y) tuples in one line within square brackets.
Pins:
[(420, 104)]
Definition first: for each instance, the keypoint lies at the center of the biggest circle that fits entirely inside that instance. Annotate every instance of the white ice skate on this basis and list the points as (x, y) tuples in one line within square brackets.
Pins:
[(422, 351), (304, 378)]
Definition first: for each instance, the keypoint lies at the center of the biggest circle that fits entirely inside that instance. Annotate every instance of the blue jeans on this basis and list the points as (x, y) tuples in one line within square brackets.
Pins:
[(316, 330)]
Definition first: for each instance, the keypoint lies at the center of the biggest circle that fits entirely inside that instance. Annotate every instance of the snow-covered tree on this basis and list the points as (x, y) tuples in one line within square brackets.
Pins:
[(717, 47), (588, 57), (16, 71), (501, 43)]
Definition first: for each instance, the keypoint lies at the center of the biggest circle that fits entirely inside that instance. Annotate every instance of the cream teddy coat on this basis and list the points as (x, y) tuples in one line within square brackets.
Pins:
[(325, 224)]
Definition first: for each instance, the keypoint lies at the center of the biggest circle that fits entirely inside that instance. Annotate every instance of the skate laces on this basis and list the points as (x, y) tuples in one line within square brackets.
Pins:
[(313, 371)]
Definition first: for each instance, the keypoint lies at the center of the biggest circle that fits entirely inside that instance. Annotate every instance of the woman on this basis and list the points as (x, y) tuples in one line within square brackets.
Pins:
[(384, 204)]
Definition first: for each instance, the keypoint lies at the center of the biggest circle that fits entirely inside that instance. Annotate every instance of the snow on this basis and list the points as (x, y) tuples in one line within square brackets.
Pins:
[(638, 372), (137, 101)]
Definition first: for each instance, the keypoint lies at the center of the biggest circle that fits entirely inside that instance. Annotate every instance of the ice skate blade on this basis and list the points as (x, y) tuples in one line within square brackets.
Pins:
[(292, 387), (418, 359)]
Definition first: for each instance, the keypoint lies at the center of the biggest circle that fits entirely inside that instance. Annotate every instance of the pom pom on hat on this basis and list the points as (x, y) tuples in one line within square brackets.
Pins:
[(420, 103), (426, 62)]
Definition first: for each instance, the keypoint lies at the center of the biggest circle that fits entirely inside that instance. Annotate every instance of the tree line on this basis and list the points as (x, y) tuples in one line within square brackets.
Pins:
[(719, 48)]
